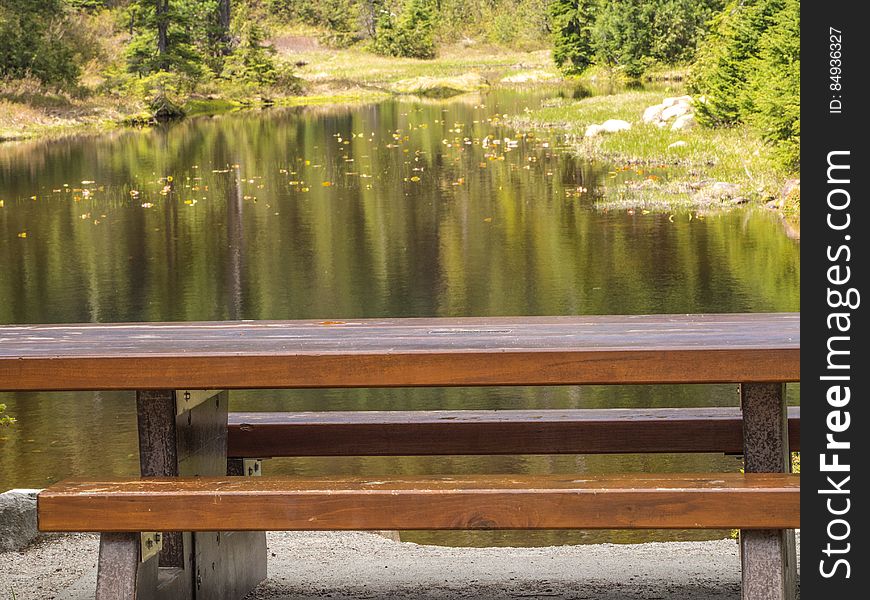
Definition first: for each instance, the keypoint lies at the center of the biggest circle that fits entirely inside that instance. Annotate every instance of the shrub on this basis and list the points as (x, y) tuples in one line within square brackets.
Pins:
[(342, 21), (409, 35), (34, 44)]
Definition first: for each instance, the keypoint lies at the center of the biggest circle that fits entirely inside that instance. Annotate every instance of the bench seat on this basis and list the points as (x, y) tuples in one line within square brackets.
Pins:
[(488, 432), (626, 501)]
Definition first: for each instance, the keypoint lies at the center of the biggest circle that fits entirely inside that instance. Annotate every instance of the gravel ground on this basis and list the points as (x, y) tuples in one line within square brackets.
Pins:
[(345, 566)]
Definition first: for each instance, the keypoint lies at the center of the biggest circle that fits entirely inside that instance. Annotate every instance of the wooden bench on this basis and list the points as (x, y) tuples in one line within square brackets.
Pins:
[(490, 432), (183, 433)]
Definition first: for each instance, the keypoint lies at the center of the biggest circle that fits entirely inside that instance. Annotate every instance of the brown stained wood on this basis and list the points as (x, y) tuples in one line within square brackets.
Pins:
[(452, 432), (403, 352), (720, 500)]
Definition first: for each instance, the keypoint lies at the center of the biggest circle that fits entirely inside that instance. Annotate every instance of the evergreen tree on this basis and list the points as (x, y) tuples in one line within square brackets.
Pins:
[(723, 64), (251, 60), (164, 36), (571, 23), (748, 71), (775, 84)]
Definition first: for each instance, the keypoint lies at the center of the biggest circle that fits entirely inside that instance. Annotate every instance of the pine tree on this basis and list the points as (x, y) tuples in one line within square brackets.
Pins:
[(571, 23)]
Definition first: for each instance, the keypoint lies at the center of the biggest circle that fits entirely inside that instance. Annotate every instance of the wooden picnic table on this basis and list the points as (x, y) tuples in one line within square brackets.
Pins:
[(179, 370)]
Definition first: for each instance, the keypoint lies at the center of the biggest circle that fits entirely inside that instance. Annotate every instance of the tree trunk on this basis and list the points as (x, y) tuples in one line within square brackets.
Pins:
[(224, 21), (162, 10)]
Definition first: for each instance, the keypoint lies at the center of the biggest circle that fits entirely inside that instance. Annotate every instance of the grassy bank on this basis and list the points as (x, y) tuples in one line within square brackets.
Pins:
[(660, 168), (29, 110)]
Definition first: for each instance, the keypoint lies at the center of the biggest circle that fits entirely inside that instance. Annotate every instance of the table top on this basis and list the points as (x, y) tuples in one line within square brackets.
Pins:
[(403, 352)]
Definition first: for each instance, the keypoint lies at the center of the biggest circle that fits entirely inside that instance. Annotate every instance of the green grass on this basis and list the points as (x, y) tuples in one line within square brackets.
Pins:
[(357, 67), (647, 168)]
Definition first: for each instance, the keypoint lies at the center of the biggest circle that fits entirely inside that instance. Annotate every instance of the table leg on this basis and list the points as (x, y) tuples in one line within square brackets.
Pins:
[(182, 433), (768, 555)]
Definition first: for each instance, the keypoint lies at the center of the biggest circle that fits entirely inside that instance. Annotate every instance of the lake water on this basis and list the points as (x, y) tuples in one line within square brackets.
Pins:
[(404, 208)]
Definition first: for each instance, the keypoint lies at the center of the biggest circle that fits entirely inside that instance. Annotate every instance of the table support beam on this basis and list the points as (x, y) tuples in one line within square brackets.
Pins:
[(178, 437), (768, 556)]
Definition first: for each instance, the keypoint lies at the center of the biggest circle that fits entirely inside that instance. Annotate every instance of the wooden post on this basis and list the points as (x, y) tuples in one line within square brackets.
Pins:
[(182, 433), (768, 555)]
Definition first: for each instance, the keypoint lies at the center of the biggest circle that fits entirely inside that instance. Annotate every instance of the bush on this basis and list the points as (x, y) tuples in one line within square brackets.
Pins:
[(164, 94), (342, 21), (411, 35), (34, 44)]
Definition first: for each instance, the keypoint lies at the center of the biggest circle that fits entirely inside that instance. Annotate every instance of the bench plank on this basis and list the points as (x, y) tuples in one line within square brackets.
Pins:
[(637, 500), (403, 352), (455, 432)]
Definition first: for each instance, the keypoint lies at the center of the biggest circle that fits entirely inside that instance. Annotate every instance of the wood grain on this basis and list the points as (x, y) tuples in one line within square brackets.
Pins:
[(487, 432), (403, 352), (729, 500)]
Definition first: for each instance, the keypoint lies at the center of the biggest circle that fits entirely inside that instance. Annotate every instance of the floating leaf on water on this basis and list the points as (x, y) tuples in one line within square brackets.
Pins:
[(488, 220), (415, 178), (22, 234), (88, 182), (147, 205), (2, 204), (326, 184)]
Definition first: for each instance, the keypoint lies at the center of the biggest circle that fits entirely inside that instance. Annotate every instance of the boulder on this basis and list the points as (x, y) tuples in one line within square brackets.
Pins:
[(17, 519), (682, 122), (653, 113), (614, 125), (677, 110), (668, 102), (593, 130)]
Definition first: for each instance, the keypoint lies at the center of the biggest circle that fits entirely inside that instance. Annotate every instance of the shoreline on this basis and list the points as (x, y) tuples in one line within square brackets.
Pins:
[(360, 565)]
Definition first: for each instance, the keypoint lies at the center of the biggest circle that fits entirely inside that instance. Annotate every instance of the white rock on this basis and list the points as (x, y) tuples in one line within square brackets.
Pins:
[(676, 100), (614, 125), (677, 110), (653, 113), (678, 144), (593, 130), (684, 122)]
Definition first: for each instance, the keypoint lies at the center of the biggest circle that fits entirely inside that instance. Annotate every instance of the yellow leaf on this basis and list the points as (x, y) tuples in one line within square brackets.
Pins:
[(326, 183), (415, 178), (488, 220), (23, 234)]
